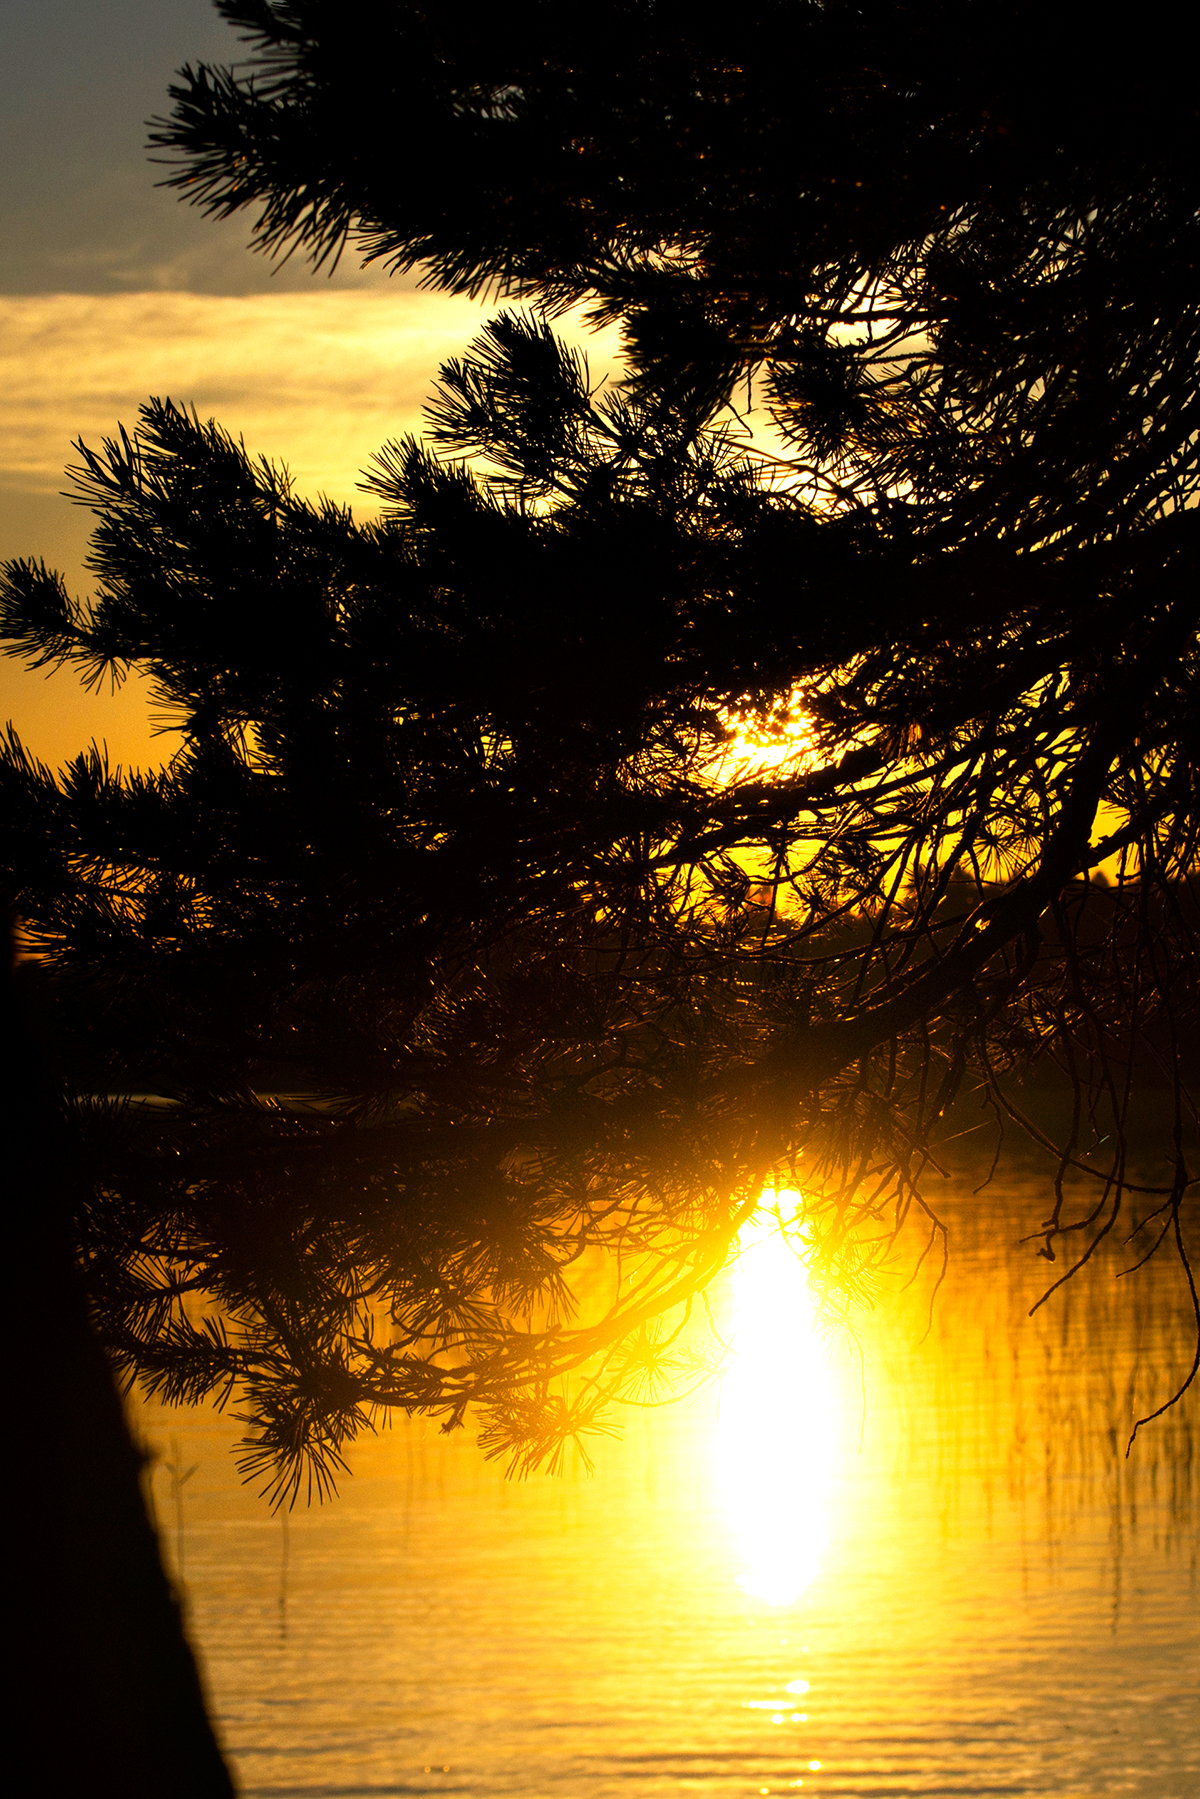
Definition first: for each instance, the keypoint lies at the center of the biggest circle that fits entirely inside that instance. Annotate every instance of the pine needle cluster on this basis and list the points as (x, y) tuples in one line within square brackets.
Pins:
[(432, 1024)]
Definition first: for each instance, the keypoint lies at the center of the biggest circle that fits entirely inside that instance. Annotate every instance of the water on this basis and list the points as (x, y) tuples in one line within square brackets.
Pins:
[(1002, 1604)]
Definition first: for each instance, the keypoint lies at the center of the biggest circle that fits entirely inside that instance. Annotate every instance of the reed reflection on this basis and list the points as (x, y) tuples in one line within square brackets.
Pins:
[(776, 1436)]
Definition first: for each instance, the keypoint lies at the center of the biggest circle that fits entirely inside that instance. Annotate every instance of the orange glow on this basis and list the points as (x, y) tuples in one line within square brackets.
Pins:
[(779, 744), (776, 1437)]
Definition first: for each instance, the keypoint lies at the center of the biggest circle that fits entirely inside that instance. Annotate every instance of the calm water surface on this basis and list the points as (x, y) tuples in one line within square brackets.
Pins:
[(994, 1601)]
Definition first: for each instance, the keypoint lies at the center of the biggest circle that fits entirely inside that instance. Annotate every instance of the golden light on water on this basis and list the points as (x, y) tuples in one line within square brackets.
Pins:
[(776, 1434)]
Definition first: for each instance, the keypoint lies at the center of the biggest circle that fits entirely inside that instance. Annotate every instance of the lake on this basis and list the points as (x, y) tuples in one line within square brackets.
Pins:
[(919, 1563)]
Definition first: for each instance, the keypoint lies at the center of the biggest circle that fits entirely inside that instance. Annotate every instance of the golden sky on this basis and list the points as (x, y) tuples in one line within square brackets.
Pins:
[(111, 291), (318, 380)]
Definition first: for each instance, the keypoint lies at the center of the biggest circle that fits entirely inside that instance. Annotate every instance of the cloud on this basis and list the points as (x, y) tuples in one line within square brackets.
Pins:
[(125, 242), (319, 380)]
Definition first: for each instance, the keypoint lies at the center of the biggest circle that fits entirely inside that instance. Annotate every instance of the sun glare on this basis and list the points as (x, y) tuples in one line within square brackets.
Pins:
[(776, 1433), (761, 747)]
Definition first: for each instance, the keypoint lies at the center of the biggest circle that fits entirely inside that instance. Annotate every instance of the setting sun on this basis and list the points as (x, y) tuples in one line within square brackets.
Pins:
[(598, 820), (776, 1436)]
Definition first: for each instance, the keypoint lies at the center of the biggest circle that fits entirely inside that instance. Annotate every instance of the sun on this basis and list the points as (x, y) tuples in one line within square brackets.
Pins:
[(776, 1436), (777, 741)]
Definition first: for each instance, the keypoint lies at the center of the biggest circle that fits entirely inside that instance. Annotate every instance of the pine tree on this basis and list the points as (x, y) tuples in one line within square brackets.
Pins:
[(465, 965)]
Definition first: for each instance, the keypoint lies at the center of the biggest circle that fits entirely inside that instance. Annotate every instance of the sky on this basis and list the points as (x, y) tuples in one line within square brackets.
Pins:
[(112, 290)]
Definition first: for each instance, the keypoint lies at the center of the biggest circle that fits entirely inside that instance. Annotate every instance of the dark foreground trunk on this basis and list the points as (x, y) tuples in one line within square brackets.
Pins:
[(108, 1696)]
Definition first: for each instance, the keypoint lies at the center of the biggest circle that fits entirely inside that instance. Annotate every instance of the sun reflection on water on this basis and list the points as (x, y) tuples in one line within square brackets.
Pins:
[(776, 1435)]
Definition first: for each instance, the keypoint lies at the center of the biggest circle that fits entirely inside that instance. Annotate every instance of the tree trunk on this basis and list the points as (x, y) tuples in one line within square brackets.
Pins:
[(109, 1700)]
